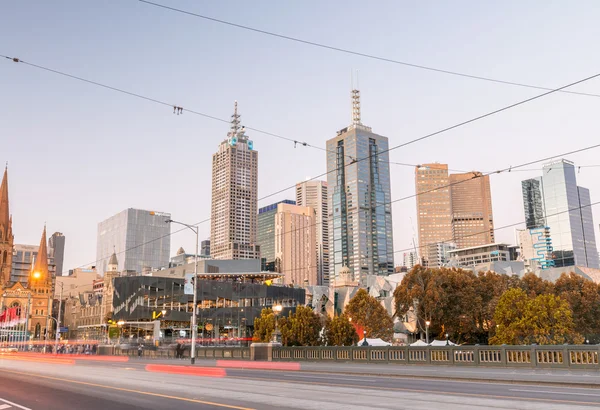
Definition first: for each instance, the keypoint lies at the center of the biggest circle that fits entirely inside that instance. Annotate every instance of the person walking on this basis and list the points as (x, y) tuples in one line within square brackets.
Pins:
[(140, 348)]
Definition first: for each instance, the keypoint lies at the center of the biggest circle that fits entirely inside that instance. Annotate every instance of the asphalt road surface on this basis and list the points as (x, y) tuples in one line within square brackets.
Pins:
[(128, 385)]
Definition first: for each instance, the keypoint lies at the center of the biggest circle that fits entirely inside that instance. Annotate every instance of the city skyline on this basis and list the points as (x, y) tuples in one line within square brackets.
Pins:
[(401, 104)]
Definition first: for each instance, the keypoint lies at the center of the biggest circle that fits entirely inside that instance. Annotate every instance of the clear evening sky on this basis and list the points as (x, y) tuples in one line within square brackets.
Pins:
[(78, 153)]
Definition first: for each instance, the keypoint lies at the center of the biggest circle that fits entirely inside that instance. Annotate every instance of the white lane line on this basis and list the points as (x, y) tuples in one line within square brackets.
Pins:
[(331, 378), (14, 405), (5, 406), (555, 392)]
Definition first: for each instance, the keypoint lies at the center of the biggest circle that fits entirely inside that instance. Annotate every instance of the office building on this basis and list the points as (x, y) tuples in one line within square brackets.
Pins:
[(476, 255), (410, 259), (234, 205), (452, 209), (56, 251), (141, 239), (295, 249), (22, 262), (358, 201), (78, 281), (555, 202), (266, 234), (314, 194), (205, 248), (434, 213)]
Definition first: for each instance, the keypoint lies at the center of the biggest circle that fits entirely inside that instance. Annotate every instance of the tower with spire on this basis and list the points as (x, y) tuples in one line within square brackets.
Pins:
[(234, 205), (358, 199), (6, 233)]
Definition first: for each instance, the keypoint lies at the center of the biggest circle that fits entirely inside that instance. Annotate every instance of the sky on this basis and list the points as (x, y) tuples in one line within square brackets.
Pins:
[(79, 153)]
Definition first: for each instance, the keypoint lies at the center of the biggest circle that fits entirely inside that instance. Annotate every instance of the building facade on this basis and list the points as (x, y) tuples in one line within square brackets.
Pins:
[(434, 213), (22, 261), (234, 203), (295, 249), (56, 252), (358, 201), (205, 248), (265, 236), (453, 209), (142, 238), (410, 259), (471, 202), (314, 194), (554, 201), (476, 255)]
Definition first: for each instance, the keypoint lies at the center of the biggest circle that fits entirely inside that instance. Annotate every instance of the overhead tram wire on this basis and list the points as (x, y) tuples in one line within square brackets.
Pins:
[(359, 54), (452, 127), (455, 126)]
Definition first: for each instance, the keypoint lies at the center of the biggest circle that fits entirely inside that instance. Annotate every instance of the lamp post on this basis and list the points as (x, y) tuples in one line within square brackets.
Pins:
[(193, 326), (447, 340), (57, 337), (427, 323), (365, 343), (277, 334), (120, 323)]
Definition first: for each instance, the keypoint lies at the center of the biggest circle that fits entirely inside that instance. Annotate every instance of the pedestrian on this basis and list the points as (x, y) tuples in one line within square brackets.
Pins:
[(140, 348)]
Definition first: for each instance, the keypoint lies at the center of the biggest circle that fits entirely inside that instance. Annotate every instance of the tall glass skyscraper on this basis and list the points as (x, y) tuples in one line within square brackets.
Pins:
[(360, 215), (139, 238), (554, 200), (266, 234)]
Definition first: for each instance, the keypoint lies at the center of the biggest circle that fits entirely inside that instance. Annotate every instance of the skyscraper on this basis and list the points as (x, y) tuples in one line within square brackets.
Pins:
[(266, 234), (314, 194), (555, 201), (471, 203), (359, 195), (234, 196), (140, 238), (56, 251), (295, 250), (453, 211), (434, 213), (205, 248)]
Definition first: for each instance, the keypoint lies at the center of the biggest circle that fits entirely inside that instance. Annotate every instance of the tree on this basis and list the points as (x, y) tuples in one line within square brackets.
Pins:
[(367, 312), (264, 326), (583, 296), (534, 285), (339, 332), (301, 328), (544, 319)]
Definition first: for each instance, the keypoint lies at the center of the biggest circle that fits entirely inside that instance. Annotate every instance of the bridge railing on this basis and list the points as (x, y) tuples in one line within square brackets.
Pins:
[(561, 356)]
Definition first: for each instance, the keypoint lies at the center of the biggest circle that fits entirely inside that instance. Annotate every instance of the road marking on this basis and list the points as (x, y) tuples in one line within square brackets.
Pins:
[(147, 393), (5, 406), (12, 404), (556, 392), (438, 392), (329, 378)]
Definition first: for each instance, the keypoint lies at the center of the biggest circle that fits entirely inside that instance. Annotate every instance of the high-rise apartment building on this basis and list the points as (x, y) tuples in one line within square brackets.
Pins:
[(434, 213), (295, 250), (555, 202), (265, 236), (234, 196), (471, 203), (314, 194), (453, 210), (358, 201), (205, 248), (410, 259), (140, 238), (56, 251)]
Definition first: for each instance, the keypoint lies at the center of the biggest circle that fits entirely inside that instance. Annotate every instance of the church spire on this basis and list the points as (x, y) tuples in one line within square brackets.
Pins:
[(5, 228), (39, 273)]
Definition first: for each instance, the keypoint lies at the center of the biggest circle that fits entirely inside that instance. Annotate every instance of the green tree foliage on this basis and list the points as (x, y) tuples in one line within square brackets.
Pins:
[(264, 326), (367, 313), (543, 319), (301, 328), (339, 331)]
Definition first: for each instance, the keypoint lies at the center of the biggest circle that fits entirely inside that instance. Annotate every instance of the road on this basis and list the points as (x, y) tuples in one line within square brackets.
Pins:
[(128, 385)]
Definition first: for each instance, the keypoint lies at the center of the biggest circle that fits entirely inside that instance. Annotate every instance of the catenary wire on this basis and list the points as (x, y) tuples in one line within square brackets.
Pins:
[(356, 53)]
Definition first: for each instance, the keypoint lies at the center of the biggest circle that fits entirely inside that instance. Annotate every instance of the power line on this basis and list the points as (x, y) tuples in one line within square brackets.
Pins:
[(356, 53)]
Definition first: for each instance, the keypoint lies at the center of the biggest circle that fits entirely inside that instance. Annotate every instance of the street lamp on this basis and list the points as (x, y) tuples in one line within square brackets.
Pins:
[(277, 334), (447, 340), (427, 323), (365, 343), (120, 323), (193, 321)]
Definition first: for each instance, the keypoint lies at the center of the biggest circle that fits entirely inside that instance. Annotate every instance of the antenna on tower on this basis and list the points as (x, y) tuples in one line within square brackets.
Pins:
[(235, 121), (355, 95)]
